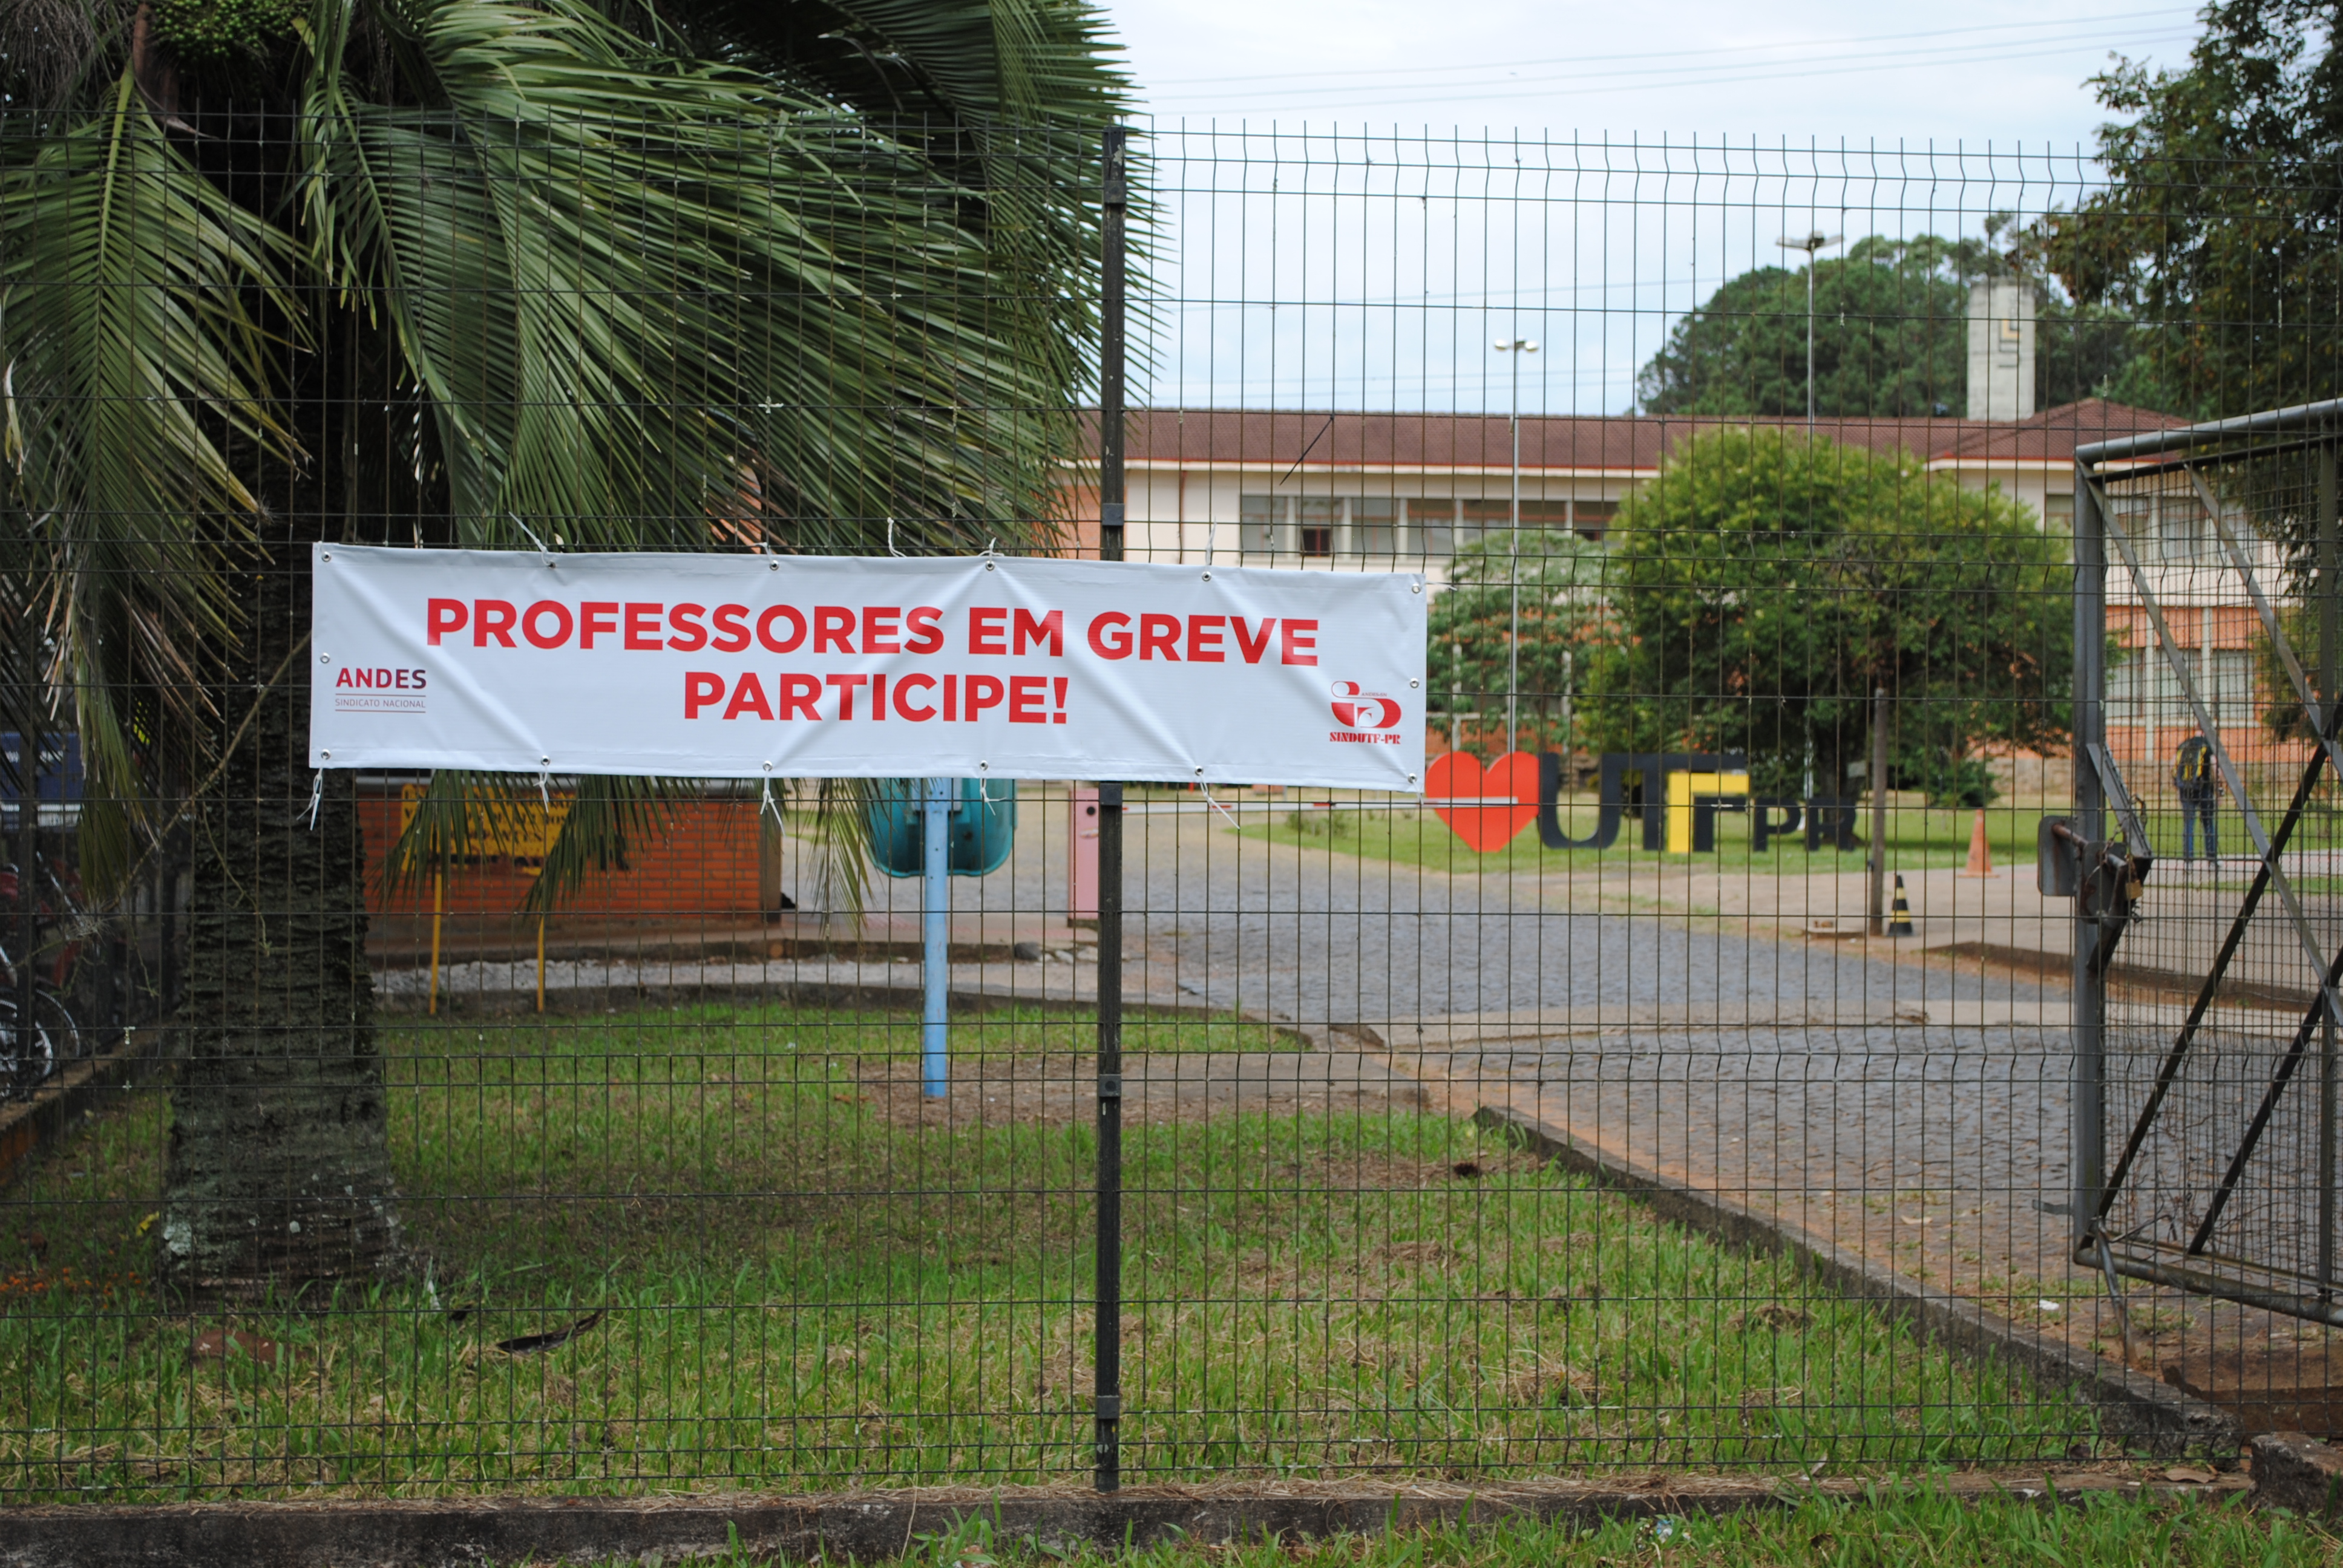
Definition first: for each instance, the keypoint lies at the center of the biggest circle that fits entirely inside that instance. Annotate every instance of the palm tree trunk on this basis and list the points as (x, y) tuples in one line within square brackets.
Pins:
[(279, 1179)]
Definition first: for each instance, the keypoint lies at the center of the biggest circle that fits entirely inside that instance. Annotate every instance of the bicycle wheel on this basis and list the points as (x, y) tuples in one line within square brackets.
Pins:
[(57, 1029), (26, 1055)]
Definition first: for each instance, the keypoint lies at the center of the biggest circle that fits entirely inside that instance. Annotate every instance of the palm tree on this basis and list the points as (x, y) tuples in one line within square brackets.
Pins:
[(659, 274)]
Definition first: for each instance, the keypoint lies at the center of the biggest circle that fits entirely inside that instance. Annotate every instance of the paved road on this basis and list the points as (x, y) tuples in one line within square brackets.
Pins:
[(1321, 936)]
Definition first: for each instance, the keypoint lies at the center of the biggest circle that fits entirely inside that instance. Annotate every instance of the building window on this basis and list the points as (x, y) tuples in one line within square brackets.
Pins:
[(1262, 524), (1485, 518), (2058, 514), (2231, 693), (2144, 689), (1480, 517), (1434, 523), (2125, 709), (2166, 527), (1386, 530), (2180, 521), (1318, 517), (1374, 528)]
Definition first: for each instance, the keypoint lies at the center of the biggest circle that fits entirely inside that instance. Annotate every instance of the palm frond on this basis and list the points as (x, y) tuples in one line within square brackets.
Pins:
[(643, 294), (133, 370), (607, 818), (840, 842), (1008, 99)]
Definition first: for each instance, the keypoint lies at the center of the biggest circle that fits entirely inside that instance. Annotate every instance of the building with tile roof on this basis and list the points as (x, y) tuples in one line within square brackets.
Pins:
[(1319, 489), (1367, 492)]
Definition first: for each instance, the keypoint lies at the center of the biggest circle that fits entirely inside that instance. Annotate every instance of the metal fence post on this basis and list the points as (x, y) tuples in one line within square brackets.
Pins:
[(935, 935), (1106, 1379), (27, 934), (2330, 677), (167, 938), (1878, 895), (2089, 1117)]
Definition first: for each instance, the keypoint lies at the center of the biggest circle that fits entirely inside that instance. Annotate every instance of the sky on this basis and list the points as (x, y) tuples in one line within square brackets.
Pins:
[(2002, 72), (1357, 200)]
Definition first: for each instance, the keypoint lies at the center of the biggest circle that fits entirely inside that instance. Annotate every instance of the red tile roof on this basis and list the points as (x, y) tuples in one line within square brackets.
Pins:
[(1321, 440), (2054, 432)]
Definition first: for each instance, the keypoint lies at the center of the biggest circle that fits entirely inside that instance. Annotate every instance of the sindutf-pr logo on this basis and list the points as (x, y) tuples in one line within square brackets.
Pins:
[(1357, 709)]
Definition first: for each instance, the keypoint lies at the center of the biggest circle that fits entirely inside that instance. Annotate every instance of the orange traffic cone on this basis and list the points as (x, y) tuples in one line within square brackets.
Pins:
[(1980, 852)]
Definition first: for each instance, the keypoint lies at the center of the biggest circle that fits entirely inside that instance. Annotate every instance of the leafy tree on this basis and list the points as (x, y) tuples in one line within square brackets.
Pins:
[(2221, 224), (1766, 584), (1472, 656), (681, 274), (1891, 337)]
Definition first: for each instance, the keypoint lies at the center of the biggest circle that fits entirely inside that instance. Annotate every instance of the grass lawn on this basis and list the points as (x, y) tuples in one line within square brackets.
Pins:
[(1917, 1526), (1918, 838), (800, 1286), (2318, 830)]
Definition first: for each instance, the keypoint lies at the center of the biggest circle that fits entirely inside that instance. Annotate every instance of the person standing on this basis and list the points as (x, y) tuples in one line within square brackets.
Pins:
[(2199, 785)]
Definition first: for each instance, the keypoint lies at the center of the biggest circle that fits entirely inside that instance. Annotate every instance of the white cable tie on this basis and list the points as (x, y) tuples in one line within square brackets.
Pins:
[(1212, 535), (1216, 806), (769, 806), (544, 794), (316, 797), (890, 538)]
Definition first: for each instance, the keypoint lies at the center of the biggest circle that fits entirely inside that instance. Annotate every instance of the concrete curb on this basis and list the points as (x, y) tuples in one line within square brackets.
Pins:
[(2140, 1409), (26, 1125), (2294, 1469), (830, 993), (875, 1526), (2056, 969)]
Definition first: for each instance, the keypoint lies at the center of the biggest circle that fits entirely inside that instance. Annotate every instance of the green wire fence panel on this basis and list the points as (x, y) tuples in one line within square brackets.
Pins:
[(1633, 1097)]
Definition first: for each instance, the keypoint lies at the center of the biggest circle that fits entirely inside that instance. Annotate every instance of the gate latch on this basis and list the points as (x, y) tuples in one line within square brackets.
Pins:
[(2058, 857)]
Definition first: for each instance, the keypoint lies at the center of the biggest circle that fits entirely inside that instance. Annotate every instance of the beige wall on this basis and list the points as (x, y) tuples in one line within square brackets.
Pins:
[(1173, 512)]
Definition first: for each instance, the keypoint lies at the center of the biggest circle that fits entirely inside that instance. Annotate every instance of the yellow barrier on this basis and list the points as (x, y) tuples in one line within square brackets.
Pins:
[(522, 831)]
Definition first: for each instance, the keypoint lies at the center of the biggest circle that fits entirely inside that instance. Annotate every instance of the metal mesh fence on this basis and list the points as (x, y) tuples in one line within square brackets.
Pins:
[(1631, 1098)]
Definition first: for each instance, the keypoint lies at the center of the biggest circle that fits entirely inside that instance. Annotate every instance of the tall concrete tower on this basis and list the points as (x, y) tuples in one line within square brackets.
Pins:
[(2001, 349)]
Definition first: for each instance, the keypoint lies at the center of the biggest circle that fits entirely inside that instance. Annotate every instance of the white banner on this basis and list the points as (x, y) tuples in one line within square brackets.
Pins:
[(750, 666)]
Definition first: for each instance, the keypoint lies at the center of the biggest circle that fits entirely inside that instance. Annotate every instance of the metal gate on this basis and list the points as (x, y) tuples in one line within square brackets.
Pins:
[(2205, 982)]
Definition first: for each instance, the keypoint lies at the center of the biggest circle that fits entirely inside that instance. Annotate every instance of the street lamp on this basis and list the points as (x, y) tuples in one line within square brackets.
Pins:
[(1810, 243), (1516, 347)]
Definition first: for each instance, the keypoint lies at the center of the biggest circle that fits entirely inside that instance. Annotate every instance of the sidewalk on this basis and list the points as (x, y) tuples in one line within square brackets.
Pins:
[(2185, 912)]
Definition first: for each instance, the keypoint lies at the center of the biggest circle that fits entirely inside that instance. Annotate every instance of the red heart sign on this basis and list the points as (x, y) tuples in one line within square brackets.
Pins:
[(1483, 807)]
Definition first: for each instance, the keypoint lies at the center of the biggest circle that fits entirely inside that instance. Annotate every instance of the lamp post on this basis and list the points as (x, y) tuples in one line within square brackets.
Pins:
[(1516, 347), (1810, 244)]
